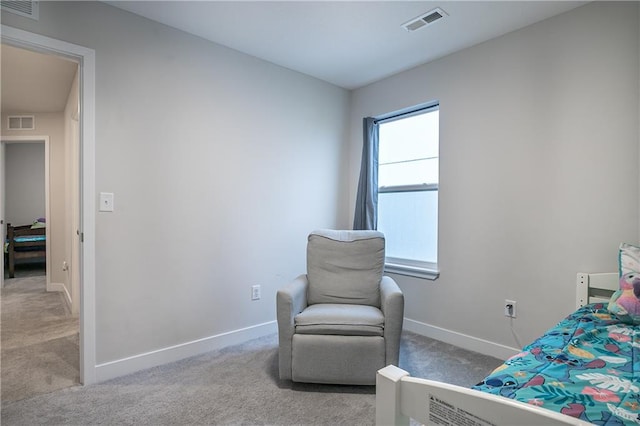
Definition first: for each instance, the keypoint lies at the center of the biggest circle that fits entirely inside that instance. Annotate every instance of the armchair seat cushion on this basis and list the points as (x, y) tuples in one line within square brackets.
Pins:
[(340, 319)]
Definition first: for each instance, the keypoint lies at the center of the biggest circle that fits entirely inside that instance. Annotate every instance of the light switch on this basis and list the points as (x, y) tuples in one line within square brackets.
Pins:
[(106, 202)]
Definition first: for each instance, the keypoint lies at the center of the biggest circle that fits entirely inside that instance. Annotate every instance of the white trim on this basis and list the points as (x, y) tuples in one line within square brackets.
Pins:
[(57, 288), (47, 209), (460, 340), (412, 271), (415, 187), (120, 367), (86, 59), (60, 287)]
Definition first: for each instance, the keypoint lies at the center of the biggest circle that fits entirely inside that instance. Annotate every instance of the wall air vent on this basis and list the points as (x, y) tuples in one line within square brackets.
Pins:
[(425, 19), (21, 122), (30, 9)]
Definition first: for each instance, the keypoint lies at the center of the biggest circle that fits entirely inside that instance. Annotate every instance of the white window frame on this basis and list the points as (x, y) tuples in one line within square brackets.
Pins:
[(409, 267)]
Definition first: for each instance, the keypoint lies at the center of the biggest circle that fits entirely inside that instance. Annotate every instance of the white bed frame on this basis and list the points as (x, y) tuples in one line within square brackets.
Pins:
[(400, 397)]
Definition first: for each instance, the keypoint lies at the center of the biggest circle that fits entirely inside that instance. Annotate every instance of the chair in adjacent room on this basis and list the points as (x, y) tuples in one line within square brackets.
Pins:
[(341, 321)]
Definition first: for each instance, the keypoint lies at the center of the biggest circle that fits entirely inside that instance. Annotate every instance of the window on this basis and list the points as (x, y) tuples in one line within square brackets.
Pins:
[(408, 191)]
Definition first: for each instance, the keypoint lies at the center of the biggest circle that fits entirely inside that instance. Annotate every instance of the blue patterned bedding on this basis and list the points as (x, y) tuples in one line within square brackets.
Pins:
[(26, 239), (30, 238), (587, 366)]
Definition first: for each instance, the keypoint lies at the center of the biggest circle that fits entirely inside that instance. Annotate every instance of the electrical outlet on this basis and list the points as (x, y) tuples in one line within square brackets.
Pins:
[(255, 292), (510, 308)]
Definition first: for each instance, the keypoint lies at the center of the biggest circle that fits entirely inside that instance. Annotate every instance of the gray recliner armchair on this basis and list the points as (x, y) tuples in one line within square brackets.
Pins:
[(341, 322)]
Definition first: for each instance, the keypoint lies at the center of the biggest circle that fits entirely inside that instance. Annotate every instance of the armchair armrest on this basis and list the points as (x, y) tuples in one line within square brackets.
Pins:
[(290, 301), (392, 306)]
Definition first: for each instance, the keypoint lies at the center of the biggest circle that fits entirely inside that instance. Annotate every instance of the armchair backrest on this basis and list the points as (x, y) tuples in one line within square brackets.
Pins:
[(345, 267)]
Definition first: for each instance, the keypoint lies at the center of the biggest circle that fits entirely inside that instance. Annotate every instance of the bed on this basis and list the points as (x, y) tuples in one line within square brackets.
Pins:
[(585, 370), (25, 243)]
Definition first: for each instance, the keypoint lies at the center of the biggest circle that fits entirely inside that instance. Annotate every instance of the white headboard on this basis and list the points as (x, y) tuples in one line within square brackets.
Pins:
[(592, 288)]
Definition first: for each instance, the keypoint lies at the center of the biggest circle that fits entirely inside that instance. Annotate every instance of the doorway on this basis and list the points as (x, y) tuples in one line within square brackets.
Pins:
[(85, 233), (40, 327), (25, 195)]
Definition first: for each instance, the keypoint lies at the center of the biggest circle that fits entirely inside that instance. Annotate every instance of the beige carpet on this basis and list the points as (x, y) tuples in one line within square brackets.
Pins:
[(231, 386), (39, 345), (237, 385)]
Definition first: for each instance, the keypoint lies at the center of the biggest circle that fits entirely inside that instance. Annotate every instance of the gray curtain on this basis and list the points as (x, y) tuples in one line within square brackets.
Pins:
[(366, 214)]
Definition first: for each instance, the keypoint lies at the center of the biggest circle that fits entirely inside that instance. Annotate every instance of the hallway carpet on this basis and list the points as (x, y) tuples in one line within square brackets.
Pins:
[(39, 344)]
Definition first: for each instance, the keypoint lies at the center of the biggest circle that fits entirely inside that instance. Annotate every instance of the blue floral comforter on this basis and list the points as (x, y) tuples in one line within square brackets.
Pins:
[(587, 366)]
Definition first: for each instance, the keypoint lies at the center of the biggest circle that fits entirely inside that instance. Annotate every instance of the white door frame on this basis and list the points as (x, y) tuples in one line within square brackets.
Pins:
[(47, 200), (86, 60)]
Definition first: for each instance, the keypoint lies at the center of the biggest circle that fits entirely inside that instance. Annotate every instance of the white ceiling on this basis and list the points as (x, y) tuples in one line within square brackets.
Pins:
[(34, 82), (347, 43)]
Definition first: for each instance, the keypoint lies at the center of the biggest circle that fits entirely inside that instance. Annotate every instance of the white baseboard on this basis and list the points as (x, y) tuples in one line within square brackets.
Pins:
[(460, 340), (113, 369), (62, 289), (120, 367), (56, 287)]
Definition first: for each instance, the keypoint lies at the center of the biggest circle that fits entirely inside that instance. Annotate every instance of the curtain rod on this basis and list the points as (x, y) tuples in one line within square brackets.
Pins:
[(406, 112)]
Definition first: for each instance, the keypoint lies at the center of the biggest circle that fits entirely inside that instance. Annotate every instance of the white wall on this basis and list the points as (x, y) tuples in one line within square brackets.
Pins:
[(538, 170), (24, 175), (220, 164), (52, 125)]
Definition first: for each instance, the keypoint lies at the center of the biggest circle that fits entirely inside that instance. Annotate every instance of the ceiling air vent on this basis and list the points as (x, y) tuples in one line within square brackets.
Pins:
[(425, 19), (30, 9), (21, 122)]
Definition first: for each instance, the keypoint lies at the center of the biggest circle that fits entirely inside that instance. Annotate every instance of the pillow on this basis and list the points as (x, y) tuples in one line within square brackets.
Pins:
[(628, 259), (625, 302), (345, 267), (38, 225)]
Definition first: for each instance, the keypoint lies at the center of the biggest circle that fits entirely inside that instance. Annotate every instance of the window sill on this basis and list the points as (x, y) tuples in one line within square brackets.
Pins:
[(412, 271)]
